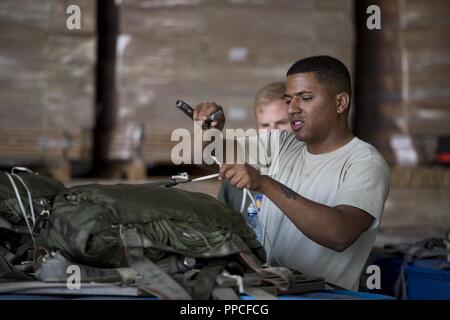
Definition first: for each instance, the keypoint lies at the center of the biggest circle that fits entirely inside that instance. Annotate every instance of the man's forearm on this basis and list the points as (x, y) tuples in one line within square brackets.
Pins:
[(323, 224)]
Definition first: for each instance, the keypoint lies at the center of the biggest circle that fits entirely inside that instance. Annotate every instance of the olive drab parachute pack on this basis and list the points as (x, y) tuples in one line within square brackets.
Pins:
[(25, 201), (146, 239)]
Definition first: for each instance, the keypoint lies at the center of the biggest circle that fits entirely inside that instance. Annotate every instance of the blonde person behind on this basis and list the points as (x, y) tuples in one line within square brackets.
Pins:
[(272, 114)]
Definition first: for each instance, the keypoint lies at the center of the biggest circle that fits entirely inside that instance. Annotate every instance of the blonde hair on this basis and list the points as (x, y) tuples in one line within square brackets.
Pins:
[(271, 92)]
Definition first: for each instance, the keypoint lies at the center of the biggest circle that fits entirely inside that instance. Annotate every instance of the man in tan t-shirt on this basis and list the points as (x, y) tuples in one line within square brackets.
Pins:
[(325, 189)]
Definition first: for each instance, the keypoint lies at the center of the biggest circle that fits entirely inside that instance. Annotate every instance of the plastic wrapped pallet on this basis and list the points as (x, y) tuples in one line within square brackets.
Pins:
[(404, 72), (47, 79), (417, 207)]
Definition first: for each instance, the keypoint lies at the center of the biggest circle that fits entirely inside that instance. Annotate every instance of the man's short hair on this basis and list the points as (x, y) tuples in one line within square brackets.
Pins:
[(272, 92), (328, 70)]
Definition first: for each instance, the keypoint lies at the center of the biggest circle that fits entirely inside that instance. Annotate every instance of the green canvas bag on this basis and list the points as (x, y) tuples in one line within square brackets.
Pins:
[(25, 202), (179, 243)]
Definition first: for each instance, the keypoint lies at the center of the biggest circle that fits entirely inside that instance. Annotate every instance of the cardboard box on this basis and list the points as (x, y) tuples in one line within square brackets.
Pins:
[(404, 72), (47, 81), (222, 51)]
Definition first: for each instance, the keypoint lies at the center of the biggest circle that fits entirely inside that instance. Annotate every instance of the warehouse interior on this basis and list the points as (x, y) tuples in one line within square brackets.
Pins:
[(96, 103)]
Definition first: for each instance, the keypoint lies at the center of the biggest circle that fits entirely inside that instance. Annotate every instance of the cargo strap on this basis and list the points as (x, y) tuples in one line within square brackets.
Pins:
[(153, 280), (246, 284), (54, 269), (7, 271), (206, 279), (280, 277)]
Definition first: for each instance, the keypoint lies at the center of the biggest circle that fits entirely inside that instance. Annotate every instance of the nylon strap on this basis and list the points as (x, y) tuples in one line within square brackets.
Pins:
[(206, 279), (280, 277), (54, 269), (153, 279)]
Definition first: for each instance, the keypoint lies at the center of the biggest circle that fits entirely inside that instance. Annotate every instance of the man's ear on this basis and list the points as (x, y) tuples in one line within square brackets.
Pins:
[(342, 102)]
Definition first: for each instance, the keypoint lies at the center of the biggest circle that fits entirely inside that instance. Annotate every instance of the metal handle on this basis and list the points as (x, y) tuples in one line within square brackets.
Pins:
[(183, 106)]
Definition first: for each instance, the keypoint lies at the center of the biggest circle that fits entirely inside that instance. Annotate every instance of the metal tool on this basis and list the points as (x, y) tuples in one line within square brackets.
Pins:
[(215, 116), (187, 109), (183, 106), (184, 177)]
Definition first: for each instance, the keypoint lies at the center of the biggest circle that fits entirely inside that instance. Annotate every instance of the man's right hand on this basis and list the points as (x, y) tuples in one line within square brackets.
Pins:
[(204, 110)]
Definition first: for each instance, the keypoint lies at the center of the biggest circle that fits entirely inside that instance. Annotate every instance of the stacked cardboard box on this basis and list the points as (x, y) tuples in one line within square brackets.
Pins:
[(47, 77), (403, 73), (222, 51), (417, 207)]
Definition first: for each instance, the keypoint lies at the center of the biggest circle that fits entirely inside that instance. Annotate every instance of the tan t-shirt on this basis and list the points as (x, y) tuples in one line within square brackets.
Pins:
[(355, 174)]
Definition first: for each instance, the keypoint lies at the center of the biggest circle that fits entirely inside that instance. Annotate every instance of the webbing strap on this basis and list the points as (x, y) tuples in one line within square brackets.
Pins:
[(280, 277), (54, 269), (206, 279), (153, 279), (7, 270)]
